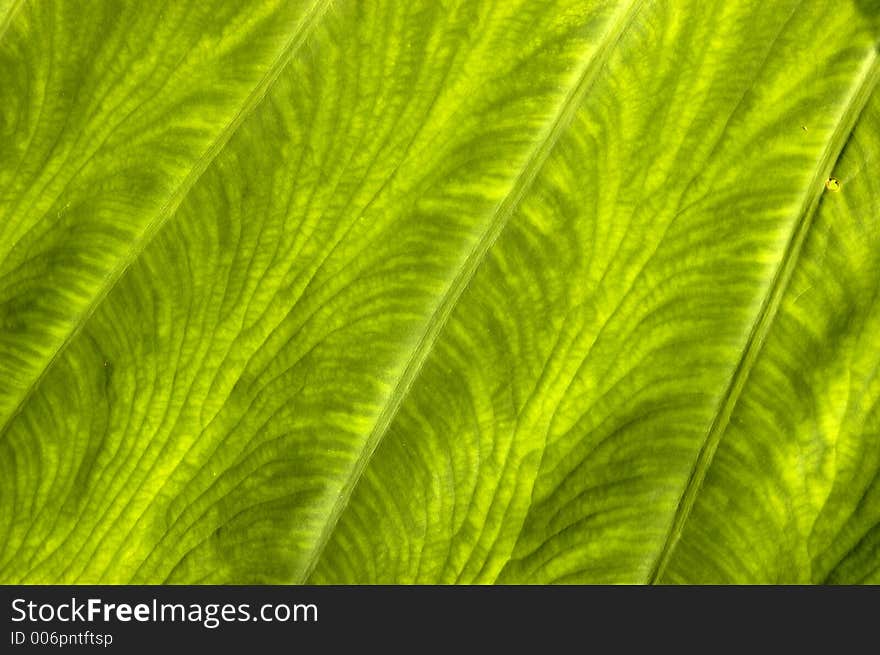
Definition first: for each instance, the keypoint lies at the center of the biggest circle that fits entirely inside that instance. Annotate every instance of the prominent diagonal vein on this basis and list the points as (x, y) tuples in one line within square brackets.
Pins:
[(6, 19), (299, 35), (763, 321), (562, 117)]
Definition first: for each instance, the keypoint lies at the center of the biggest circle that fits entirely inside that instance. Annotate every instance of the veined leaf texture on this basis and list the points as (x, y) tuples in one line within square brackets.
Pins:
[(477, 291)]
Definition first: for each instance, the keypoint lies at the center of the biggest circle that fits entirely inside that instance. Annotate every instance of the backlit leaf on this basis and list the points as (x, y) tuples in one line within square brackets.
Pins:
[(463, 291)]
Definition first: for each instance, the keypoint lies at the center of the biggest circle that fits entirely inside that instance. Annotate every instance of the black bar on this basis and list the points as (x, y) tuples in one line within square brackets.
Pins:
[(423, 619)]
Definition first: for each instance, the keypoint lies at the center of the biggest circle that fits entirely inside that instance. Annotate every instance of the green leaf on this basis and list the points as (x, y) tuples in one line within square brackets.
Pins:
[(461, 291)]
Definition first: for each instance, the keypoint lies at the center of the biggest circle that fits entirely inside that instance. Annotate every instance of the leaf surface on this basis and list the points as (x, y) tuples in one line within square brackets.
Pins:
[(439, 292)]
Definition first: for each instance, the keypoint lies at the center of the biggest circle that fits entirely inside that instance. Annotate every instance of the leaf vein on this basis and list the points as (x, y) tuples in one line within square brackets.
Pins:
[(562, 117), (768, 310)]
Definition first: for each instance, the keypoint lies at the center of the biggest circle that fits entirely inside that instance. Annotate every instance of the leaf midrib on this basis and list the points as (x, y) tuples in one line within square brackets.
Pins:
[(304, 28), (764, 318), (544, 145)]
